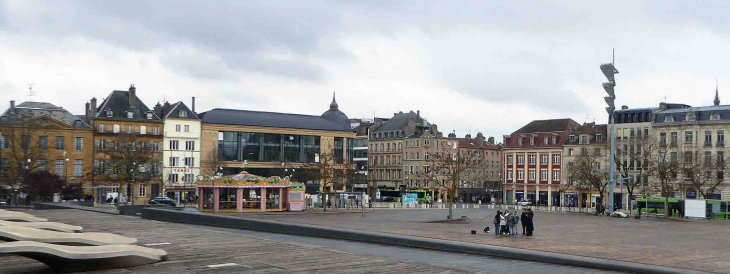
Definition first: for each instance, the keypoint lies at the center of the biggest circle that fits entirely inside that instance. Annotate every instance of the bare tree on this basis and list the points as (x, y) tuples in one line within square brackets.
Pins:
[(26, 144), (457, 166), (702, 173), (127, 159), (585, 176), (633, 164), (664, 168), (329, 172), (211, 165)]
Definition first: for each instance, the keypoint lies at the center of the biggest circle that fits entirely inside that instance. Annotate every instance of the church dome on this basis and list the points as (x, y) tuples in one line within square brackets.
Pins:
[(335, 115)]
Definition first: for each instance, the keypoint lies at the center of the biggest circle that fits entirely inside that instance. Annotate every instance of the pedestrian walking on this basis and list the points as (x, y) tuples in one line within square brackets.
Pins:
[(496, 222)]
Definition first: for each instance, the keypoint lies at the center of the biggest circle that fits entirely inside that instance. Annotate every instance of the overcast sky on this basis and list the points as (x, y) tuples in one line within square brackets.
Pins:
[(467, 66)]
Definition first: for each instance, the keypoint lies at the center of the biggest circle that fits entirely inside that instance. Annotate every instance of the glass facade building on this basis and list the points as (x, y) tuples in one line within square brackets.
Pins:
[(269, 147)]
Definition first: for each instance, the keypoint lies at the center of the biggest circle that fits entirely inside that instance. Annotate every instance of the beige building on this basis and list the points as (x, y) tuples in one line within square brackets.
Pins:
[(591, 140), (274, 144), (483, 183)]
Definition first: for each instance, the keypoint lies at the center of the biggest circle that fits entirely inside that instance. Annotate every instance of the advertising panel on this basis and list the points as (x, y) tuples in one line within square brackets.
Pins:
[(695, 208)]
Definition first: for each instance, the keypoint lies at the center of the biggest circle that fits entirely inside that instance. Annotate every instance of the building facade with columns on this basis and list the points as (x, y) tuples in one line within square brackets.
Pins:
[(532, 162)]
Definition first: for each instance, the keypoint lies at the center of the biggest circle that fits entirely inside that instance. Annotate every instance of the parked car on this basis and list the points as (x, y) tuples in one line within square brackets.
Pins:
[(524, 203), (162, 201)]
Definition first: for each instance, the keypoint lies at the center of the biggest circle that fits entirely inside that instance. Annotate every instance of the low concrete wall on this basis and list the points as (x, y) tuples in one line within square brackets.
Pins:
[(199, 218)]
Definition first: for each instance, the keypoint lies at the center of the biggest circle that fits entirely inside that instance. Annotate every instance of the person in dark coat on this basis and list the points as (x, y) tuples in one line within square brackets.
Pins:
[(523, 217), (530, 222), (496, 222)]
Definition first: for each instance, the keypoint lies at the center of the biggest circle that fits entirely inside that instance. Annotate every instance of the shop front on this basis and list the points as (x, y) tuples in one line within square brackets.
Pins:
[(245, 192)]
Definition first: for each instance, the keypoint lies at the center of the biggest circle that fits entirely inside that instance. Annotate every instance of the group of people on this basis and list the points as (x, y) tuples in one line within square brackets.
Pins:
[(505, 222)]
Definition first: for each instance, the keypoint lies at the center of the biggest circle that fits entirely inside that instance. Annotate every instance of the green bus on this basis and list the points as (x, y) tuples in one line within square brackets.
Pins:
[(656, 205), (723, 208)]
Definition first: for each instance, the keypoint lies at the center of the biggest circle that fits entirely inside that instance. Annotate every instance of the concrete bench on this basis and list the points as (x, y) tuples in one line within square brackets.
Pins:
[(6, 215), (19, 233), (52, 226), (84, 258)]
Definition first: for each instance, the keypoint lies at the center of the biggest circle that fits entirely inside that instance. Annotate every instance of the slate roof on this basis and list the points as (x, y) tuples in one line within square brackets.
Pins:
[(174, 112), (472, 143), (118, 103), (398, 122), (31, 110), (702, 115), (551, 125), (592, 130), (269, 119)]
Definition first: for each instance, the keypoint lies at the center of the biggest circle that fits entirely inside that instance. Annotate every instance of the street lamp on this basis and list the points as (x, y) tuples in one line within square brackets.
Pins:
[(609, 70)]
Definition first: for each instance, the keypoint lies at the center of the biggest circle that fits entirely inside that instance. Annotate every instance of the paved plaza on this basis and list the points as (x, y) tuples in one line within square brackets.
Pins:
[(194, 249), (697, 245)]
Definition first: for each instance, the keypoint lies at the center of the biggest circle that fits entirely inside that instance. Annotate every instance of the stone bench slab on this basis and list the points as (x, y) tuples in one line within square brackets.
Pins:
[(52, 226), (19, 233)]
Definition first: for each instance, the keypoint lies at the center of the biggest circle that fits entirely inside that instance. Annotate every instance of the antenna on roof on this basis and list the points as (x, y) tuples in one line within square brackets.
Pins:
[(30, 92), (586, 120)]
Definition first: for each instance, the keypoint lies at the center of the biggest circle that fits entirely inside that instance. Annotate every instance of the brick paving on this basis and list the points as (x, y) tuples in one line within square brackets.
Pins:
[(701, 245), (193, 248)]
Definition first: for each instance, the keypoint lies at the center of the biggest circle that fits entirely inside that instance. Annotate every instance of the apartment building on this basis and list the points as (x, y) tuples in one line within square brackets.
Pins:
[(483, 183), (532, 158), (181, 150), (592, 141)]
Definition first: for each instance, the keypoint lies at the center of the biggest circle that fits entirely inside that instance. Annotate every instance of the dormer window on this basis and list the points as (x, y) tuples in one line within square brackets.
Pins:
[(669, 119), (571, 137), (715, 117), (599, 137), (555, 140), (689, 117), (130, 115), (109, 113), (149, 115), (183, 113)]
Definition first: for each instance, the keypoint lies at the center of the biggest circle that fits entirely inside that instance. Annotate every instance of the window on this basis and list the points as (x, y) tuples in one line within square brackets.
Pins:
[(546, 141), (556, 175), (189, 161), (532, 159), (142, 129), (688, 137), (571, 138), (688, 157), (673, 157), (675, 138), (130, 115), (190, 145), (570, 152), (272, 148), (174, 144), (142, 190), (149, 115), (130, 129), (78, 167), (4, 141), (520, 174), (720, 158), (188, 178), (102, 128), (43, 142), (25, 141), (668, 119), (174, 161), (663, 139), (117, 128), (520, 159), (101, 144), (509, 159), (187, 128), (79, 143), (556, 159), (173, 178), (708, 138), (509, 174), (519, 141), (632, 134), (597, 151), (109, 113), (177, 128), (42, 165), (599, 137), (720, 137), (646, 131), (708, 158), (59, 164), (544, 159), (532, 174), (156, 131), (418, 155), (532, 141), (543, 175), (555, 140)]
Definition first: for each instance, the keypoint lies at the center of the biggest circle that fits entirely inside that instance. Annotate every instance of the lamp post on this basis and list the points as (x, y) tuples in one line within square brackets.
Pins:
[(609, 70)]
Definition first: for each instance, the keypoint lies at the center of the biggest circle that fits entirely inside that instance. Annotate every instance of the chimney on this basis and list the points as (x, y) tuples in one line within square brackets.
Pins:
[(491, 140), (624, 107), (132, 97), (194, 105), (12, 106), (93, 107), (418, 113), (88, 110), (662, 106), (480, 139)]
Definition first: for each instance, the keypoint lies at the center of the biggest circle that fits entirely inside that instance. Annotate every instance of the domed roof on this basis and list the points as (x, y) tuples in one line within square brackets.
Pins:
[(335, 115)]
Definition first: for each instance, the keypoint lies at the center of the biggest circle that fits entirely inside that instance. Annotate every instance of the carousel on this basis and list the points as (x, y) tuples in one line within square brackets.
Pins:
[(246, 192)]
